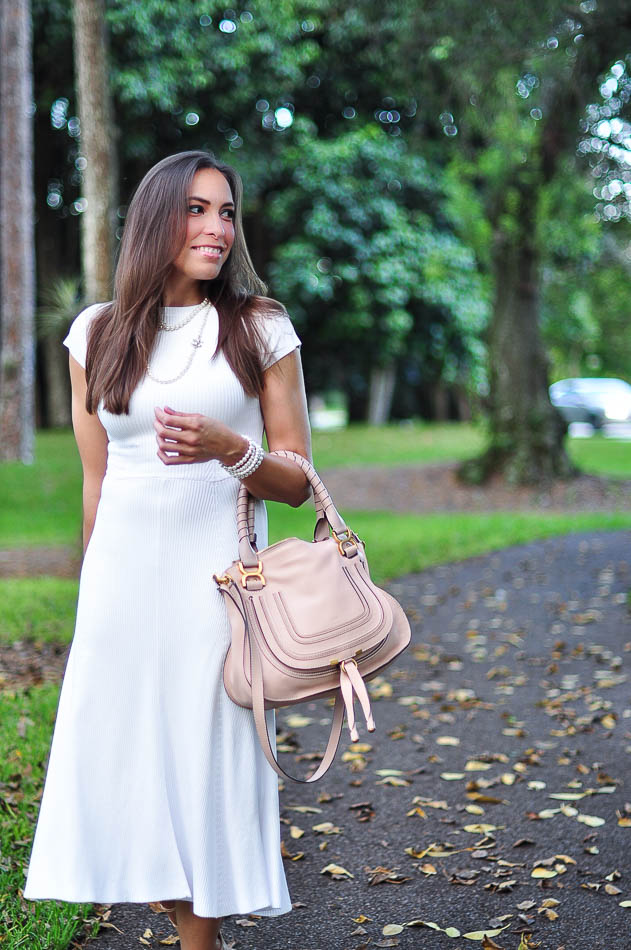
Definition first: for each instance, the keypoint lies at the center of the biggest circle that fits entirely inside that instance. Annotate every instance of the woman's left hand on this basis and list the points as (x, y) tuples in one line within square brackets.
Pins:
[(186, 437)]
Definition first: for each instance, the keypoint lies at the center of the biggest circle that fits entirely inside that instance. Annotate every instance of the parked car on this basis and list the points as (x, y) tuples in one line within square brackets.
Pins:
[(597, 401)]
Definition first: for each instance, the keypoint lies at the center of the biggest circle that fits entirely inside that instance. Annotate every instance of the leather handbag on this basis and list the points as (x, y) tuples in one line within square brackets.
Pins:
[(307, 621)]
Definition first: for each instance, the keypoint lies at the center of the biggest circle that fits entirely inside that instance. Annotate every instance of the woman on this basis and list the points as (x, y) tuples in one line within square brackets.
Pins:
[(157, 789)]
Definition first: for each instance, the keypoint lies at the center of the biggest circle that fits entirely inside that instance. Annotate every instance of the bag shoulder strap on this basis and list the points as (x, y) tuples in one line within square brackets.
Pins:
[(258, 708)]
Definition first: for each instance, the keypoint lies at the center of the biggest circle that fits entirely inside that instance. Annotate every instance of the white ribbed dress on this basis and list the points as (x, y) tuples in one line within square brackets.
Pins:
[(157, 788)]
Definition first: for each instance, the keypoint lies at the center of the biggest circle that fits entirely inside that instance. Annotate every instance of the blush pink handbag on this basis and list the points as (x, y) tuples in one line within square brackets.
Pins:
[(307, 621)]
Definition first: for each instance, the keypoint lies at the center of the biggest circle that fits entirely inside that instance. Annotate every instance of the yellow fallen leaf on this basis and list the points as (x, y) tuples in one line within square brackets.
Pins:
[(379, 690), (568, 796), (420, 854), (148, 933), (543, 873), (508, 778), (326, 828), (418, 811), (448, 740), (481, 934), (305, 809), (549, 902), (297, 721), (336, 870), (452, 931), (536, 785), (361, 747), (612, 889), (171, 940), (427, 869), (361, 919), (394, 781), (391, 929), (593, 821), (480, 829), (144, 942), (384, 772), (624, 904), (296, 832), (451, 776), (474, 809), (608, 721), (624, 822), (548, 813), (551, 914), (474, 766)]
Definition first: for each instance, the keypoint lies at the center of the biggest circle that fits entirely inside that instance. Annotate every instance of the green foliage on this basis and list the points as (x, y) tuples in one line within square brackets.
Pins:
[(397, 444), (375, 250), (41, 503), (399, 544), (26, 722), (37, 608)]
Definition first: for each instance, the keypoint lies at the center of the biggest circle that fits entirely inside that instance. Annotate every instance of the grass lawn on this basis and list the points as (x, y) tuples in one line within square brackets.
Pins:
[(41, 504), (26, 721)]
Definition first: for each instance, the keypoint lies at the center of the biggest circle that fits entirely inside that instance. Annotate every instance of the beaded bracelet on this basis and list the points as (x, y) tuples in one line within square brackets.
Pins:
[(248, 463)]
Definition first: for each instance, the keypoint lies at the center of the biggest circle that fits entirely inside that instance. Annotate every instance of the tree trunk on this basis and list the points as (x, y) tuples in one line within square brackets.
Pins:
[(97, 148), (17, 268), (527, 433), (382, 380)]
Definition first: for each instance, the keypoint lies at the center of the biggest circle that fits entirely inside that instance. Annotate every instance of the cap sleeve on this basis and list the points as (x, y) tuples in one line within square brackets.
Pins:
[(280, 337), (77, 338)]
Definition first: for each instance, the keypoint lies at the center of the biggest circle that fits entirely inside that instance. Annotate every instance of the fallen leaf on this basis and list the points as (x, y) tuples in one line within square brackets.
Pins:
[(593, 821), (326, 828), (305, 809), (427, 869), (297, 721), (448, 740), (473, 765), (488, 944), (612, 889), (625, 904), (451, 776), (480, 829), (244, 922), (296, 832), (543, 873), (391, 930), (362, 919), (481, 934), (452, 931), (171, 940), (336, 871)]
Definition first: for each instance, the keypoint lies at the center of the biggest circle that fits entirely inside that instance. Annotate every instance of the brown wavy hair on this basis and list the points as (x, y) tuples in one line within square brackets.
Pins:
[(121, 336)]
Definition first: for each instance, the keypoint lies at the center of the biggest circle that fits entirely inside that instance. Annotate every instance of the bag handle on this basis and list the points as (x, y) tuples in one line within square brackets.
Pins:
[(327, 515)]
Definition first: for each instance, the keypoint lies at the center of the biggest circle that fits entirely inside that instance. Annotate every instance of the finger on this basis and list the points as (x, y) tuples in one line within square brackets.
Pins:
[(170, 459)]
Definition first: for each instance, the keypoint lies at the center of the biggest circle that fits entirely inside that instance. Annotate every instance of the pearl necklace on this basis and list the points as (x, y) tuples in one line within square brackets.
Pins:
[(195, 343), (178, 326)]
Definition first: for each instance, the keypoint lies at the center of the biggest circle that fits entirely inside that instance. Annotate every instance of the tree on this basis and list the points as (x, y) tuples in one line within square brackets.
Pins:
[(97, 147), (374, 274), (17, 278)]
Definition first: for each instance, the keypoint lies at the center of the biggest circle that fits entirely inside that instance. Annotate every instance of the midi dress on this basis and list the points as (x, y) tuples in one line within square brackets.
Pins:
[(157, 787)]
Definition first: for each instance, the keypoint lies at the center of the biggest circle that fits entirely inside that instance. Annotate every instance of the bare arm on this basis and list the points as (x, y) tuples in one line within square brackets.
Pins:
[(92, 444), (196, 438)]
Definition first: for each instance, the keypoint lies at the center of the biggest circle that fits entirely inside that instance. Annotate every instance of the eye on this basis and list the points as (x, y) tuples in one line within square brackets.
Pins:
[(228, 213), (195, 209)]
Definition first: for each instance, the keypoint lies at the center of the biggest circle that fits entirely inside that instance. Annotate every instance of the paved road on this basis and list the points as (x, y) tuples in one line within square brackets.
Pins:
[(515, 688)]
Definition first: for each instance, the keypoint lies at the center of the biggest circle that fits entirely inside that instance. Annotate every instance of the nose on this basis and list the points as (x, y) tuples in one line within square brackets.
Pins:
[(214, 225)]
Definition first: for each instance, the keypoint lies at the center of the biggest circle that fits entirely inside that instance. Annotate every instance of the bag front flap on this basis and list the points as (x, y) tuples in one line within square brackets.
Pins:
[(314, 606)]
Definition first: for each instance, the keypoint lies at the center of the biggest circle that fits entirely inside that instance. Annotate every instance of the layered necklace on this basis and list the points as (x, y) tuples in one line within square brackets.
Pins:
[(196, 342)]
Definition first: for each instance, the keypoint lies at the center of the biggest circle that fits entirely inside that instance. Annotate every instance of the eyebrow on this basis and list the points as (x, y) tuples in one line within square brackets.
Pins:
[(205, 201)]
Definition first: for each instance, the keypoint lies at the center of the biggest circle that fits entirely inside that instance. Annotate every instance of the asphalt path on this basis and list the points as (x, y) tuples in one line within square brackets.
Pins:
[(515, 690)]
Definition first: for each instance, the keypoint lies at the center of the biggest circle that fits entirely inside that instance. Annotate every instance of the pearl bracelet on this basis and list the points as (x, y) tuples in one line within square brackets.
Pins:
[(248, 463)]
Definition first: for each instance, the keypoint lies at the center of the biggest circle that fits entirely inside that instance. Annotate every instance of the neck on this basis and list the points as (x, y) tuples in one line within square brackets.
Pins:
[(182, 292)]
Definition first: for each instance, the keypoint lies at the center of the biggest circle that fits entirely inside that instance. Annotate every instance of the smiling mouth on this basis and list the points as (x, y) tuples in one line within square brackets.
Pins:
[(207, 250)]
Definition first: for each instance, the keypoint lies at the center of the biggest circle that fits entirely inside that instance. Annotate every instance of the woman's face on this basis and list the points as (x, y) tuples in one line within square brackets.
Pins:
[(209, 229)]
